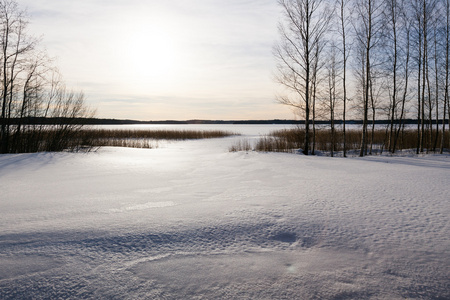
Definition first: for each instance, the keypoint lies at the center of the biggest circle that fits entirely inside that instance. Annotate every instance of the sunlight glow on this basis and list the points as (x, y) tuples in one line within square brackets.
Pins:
[(151, 53), (164, 59), (148, 53)]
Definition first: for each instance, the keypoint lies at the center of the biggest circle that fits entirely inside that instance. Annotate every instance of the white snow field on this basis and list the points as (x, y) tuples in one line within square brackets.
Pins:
[(190, 220)]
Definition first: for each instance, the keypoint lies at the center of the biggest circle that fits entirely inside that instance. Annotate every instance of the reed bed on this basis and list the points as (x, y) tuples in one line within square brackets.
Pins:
[(291, 141), (155, 134), (241, 145), (144, 138)]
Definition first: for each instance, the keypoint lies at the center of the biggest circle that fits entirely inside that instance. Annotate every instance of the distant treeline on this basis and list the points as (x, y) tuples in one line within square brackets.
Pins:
[(98, 121)]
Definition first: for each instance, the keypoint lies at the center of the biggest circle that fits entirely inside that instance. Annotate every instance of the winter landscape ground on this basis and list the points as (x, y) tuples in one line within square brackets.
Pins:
[(191, 220)]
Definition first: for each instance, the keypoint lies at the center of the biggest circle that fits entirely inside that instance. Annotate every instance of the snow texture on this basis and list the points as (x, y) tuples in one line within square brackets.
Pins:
[(190, 220)]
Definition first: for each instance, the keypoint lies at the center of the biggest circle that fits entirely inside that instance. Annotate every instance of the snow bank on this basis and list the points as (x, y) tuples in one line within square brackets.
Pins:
[(191, 220)]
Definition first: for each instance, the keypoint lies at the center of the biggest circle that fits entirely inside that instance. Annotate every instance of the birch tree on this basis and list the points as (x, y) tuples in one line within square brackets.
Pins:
[(368, 28), (302, 32), (332, 75), (344, 21), (446, 70)]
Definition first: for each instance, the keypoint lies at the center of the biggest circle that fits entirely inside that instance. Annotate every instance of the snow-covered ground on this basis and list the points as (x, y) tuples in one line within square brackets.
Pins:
[(190, 220)]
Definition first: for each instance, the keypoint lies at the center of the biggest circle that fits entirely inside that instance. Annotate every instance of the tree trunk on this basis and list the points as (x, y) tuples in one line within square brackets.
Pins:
[(344, 78), (368, 46), (447, 29), (405, 91), (393, 13)]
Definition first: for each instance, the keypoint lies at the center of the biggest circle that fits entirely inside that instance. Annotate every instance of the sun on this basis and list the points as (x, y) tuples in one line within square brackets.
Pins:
[(147, 55), (152, 53)]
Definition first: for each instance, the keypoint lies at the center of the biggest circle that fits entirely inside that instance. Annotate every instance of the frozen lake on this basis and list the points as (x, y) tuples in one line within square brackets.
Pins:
[(248, 130)]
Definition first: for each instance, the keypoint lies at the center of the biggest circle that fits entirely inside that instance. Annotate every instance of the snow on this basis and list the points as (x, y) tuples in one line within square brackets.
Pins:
[(190, 220)]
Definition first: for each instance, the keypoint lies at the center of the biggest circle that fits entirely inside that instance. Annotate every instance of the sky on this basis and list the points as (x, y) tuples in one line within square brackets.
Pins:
[(160, 60)]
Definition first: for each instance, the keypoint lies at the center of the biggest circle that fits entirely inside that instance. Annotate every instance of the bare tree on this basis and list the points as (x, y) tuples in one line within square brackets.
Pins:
[(423, 11), (397, 49), (446, 69), (436, 58), (15, 46), (393, 15), (28, 90), (375, 92), (418, 20), (315, 82), (406, 70), (32, 86), (305, 24), (368, 29), (344, 21), (332, 75)]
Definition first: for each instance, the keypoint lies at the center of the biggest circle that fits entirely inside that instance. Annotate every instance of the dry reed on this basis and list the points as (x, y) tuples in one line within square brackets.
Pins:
[(143, 138), (291, 141)]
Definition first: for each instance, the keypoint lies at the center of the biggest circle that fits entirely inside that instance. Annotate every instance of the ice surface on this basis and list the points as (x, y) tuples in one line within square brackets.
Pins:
[(191, 220)]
